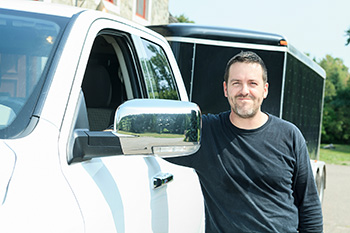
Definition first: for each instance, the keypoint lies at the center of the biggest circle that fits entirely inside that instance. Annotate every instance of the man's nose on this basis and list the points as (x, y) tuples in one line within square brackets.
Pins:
[(245, 90)]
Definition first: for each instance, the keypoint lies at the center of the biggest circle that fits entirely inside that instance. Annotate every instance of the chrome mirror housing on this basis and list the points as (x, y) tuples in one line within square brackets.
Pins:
[(166, 128)]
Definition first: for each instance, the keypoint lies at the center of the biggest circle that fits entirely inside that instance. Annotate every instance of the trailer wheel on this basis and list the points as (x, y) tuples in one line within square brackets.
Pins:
[(320, 183)]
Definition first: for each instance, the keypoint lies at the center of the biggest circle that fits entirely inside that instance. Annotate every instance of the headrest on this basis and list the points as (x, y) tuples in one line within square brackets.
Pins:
[(97, 86)]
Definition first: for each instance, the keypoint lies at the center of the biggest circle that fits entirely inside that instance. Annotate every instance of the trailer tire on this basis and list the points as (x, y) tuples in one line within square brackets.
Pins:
[(320, 183)]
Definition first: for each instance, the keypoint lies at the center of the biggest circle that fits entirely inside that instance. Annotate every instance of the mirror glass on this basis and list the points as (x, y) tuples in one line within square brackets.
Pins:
[(166, 128)]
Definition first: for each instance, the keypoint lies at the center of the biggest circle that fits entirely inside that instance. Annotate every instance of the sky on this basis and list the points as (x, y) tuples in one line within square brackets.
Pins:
[(316, 27)]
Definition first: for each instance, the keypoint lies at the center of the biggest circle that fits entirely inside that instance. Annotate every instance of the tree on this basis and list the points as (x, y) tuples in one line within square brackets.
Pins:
[(336, 113), (183, 19), (337, 72), (348, 34)]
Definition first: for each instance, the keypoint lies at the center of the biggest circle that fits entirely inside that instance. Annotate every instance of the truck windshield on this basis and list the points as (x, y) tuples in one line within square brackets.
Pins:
[(27, 44)]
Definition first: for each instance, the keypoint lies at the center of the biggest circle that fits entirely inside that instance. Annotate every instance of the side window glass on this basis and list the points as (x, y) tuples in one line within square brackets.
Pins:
[(107, 81), (159, 79)]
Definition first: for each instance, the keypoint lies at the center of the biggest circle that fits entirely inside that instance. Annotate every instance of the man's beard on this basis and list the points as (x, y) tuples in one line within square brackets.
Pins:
[(244, 112)]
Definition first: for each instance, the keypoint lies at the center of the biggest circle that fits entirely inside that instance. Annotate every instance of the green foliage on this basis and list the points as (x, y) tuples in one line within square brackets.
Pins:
[(348, 34), (336, 114), (183, 19), (337, 72)]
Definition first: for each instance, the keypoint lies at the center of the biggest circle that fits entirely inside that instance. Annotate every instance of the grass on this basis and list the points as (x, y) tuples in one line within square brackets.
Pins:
[(340, 155)]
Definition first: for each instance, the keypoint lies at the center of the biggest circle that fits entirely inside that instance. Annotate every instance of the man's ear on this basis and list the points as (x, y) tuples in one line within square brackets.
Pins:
[(225, 88), (266, 90)]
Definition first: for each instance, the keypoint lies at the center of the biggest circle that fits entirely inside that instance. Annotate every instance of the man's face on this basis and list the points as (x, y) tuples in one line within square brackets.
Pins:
[(245, 89)]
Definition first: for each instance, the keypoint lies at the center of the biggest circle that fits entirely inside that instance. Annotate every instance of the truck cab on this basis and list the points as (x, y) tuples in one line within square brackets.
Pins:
[(90, 104)]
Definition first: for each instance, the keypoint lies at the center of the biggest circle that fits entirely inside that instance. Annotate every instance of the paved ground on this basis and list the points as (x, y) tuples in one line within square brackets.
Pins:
[(336, 202)]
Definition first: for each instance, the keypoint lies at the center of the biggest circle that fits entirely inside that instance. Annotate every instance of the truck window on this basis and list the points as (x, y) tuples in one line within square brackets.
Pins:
[(159, 79), (108, 80)]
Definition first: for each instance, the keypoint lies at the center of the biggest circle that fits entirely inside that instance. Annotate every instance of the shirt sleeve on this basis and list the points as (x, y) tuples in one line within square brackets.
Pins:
[(305, 194), (193, 160)]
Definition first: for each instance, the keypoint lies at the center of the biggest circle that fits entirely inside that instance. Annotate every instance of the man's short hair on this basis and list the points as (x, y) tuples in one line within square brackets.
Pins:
[(246, 57)]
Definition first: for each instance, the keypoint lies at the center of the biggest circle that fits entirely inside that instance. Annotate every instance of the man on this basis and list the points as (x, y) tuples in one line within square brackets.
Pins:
[(253, 167)]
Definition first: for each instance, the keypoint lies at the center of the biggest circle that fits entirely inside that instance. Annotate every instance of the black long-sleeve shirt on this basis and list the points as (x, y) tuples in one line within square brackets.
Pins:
[(256, 180)]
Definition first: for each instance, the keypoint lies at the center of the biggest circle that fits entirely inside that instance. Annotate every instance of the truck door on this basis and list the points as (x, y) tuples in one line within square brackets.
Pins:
[(117, 193)]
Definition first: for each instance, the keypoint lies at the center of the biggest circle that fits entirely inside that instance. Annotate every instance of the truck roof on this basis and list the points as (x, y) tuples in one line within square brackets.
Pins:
[(68, 11), (218, 33), (41, 7)]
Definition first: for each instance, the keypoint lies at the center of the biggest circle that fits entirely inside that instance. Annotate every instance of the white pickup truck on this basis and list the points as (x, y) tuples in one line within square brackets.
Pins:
[(89, 105)]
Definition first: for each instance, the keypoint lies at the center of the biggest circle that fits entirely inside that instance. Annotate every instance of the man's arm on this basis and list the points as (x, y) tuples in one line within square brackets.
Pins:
[(306, 196)]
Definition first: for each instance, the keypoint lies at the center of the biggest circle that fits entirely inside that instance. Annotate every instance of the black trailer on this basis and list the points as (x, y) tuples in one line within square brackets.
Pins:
[(296, 83)]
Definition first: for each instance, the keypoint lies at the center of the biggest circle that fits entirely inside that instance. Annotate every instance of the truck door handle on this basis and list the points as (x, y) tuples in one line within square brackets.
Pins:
[(162, 179)]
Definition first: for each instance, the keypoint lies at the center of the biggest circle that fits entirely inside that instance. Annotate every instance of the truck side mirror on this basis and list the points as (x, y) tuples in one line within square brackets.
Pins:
[(166, 128)]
